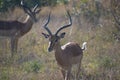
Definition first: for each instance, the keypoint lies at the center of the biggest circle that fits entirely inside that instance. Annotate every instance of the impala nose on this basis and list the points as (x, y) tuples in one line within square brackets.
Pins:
[(50, 49), (35, 20)]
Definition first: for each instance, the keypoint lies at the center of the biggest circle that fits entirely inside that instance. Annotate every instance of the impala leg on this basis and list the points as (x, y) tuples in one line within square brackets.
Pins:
[(12, 46), (68, 74), (14, 42), (78, 71), (63, 73), (16, 45)]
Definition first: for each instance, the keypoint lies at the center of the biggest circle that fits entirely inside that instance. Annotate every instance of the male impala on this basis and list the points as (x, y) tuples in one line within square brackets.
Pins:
[(16, 29), (66, 55)]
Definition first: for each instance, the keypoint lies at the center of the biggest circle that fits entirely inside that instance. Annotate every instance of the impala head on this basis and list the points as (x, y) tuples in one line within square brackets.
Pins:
[(55, 38), (31, 12)]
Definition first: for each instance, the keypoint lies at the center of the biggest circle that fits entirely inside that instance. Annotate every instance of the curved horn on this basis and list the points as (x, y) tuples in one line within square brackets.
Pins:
[(65, 26), (35, 7), (26, 8), (45, 26)]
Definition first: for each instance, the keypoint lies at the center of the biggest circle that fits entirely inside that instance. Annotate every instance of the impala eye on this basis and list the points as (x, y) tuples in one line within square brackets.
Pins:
[(56, 40)]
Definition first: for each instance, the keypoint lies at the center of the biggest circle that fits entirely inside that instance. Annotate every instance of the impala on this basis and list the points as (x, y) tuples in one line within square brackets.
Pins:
[(15, 29), (66, 55)]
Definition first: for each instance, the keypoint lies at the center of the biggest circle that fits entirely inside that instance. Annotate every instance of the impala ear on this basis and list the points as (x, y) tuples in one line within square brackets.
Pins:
[(62, 35), (45, 35)]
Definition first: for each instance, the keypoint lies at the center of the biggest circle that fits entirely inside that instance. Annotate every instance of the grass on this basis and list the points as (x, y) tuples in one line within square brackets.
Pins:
[(33, 62)]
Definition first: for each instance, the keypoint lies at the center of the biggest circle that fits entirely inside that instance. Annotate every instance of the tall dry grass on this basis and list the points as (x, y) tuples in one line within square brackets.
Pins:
[(33, 62)]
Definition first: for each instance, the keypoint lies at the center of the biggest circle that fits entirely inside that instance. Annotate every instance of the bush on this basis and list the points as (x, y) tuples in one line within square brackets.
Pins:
[(32, 66), (5, 5)]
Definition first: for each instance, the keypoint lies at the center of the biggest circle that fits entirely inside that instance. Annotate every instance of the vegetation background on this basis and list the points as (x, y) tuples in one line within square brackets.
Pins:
[(93, 22)]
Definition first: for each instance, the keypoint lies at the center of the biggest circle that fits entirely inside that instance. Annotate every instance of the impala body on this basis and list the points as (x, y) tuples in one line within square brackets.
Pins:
[(66, 55), (15, 29), (71, 51)]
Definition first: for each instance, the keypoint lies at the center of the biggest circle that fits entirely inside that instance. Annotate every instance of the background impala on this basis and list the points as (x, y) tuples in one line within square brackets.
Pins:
[(16, 29)]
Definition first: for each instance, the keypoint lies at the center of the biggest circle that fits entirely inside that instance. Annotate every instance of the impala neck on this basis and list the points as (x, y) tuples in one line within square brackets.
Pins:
[(59, 54), (28, 25), (57, 47), (58, 50), (28, 22)]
